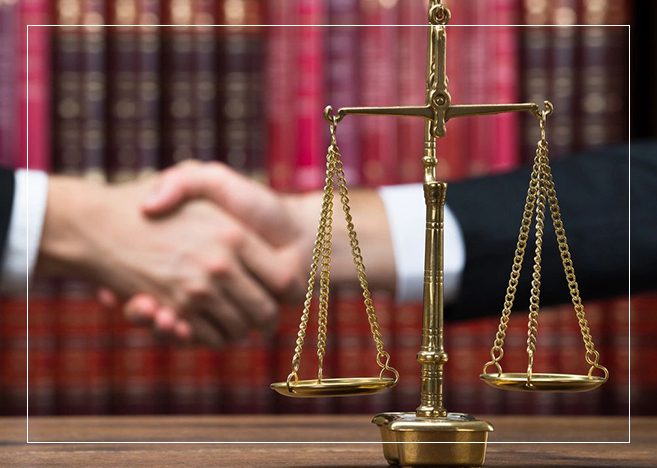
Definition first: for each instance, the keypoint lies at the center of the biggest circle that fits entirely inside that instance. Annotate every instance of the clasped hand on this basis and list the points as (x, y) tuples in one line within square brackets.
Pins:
[(206, 258)]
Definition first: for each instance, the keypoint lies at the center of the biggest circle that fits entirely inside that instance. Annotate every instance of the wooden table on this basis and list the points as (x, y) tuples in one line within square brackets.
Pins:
[(338, 429)]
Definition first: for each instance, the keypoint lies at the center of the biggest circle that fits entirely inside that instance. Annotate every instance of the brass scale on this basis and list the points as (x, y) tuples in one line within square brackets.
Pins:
[(431, 435)]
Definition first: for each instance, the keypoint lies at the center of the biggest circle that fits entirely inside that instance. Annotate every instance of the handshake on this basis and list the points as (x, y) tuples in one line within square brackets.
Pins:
[(198, 252)]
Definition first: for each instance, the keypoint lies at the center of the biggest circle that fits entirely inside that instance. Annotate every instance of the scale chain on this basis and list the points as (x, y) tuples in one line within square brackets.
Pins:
[(321, 261), (541, 190)]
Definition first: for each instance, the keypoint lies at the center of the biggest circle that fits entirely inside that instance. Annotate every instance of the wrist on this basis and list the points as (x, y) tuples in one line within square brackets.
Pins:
[(66, 238)]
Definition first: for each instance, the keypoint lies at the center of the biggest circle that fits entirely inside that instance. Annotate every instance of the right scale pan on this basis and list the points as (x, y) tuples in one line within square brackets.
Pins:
[(566, 383)]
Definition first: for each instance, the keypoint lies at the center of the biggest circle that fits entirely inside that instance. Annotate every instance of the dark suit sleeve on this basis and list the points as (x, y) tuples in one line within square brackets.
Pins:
[(6, 201), (593, 194)]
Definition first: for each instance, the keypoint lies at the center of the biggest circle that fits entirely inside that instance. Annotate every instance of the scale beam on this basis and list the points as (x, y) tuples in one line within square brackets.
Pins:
[(402, 111), (460, 110)]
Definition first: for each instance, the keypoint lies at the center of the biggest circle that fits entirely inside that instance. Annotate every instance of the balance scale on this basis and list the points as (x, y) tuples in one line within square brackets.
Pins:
[(431, 435)]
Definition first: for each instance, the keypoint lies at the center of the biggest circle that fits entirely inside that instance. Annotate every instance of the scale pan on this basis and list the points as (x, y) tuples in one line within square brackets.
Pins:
[(543, 382), (334, 387)]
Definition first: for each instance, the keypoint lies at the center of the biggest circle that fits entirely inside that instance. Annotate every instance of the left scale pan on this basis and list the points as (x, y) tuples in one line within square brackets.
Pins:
[(334, 387)]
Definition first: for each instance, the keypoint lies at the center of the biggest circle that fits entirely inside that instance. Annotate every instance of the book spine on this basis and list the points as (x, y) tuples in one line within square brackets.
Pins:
[(94, 89), (535, 52), (13, 357), (148, 88), (67, 89), (352, 328), (407, 324), (279, 91), (644, 352), (603, 97), (34, 105), (9, 35), (241, 124), (379, 87), (384, 306), (132, 87), (205, 92), (122, 163), (42, 348), (462, 389), (82, 352), (82, 327), (309, 60), (342, 79), (179, 106), (412, 60), (453, 156), (563, 83), (284, 343), (604, 73), (503, 85)]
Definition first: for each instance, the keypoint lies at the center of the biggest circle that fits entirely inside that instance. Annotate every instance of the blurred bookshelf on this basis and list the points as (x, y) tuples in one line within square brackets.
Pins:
[(117, 103)]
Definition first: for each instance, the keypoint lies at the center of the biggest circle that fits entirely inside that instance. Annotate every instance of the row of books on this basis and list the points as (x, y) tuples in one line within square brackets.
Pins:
[(121, 102)]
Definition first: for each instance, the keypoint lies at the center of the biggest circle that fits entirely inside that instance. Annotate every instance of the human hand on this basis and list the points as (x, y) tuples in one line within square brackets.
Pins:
[(281, 221), (196, 262)]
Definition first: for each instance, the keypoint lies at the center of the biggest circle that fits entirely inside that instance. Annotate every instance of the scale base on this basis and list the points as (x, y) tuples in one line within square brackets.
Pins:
[(458, 439)]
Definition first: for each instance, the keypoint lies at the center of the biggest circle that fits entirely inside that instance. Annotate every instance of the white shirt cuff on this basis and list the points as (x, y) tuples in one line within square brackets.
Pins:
[(24, 235), (404, 205)]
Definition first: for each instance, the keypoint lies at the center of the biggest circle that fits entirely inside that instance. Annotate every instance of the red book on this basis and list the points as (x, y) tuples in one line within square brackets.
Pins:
[(644, 352), (412, 42), (183, 376), (384, 306), (379, 87), (9, 38), (309, 98), (353, 350), (407, 324), (137, 369), (246, 377), (279, 88), (491, 400), (83, 383), (453, 153), (502, 85), (462, 387), (548, 348), (342, 73), (285, 343), (82, 327), (616, 355), (13, 356), (42, 347), (137, 360), (34, 105)]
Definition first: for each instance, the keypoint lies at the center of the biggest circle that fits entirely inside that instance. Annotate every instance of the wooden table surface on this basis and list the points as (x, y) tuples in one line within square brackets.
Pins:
[(337, 429)]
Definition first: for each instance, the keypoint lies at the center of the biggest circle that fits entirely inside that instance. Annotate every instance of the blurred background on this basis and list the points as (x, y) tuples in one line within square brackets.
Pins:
[(116, 103)]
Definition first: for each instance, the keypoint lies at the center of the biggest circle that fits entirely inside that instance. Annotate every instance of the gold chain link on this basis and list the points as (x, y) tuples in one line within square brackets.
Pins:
[(322, 260), (541, 190)]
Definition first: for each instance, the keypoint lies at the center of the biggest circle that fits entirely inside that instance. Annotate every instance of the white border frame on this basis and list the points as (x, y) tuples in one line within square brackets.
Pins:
[(27, 188)]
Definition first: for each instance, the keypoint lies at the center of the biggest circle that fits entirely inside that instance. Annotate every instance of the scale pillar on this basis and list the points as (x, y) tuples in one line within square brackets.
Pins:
[(432, 356), (431, 435)]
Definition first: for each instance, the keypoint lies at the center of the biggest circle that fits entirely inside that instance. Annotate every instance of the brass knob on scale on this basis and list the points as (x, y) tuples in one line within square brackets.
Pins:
[(431, 435)]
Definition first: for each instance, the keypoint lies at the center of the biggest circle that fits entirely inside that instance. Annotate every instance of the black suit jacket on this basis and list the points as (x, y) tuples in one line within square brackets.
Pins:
[(593, 195), (6, 201)]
